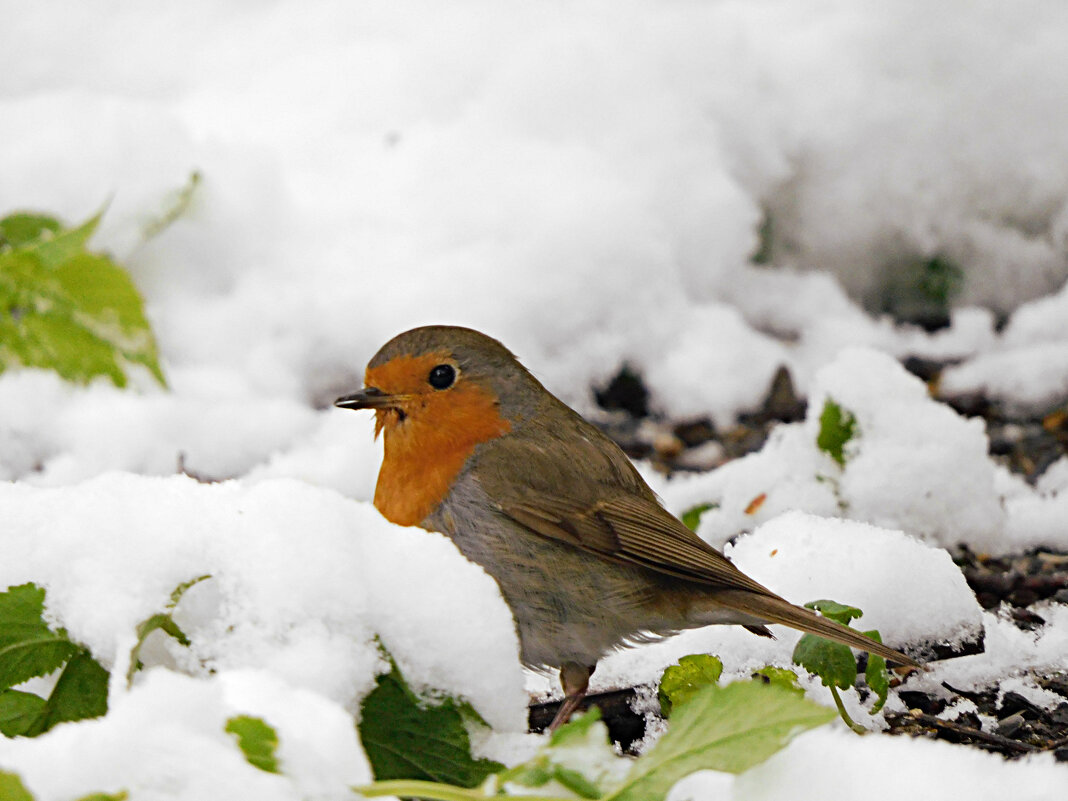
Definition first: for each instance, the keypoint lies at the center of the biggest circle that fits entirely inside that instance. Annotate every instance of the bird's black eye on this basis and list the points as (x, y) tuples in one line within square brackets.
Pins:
[(442, 376)]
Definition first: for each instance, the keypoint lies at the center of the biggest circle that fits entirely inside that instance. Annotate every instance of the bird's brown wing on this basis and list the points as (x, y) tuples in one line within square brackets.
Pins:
[(570, 483), (629, 529)]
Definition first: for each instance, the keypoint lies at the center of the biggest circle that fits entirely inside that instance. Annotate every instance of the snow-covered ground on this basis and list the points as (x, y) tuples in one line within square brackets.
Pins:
[(587, 182)]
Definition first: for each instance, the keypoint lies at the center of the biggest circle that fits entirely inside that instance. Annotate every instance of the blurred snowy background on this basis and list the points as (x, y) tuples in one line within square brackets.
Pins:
[(702, 190)]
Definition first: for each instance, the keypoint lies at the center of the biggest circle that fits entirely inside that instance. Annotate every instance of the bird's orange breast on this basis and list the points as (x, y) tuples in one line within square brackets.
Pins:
[(426, 446)]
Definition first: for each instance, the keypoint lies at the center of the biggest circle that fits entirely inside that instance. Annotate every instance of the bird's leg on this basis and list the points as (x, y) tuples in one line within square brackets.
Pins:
[(575, 679)]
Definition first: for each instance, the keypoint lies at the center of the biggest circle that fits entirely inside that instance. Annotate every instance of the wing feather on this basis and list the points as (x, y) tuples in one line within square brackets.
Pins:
[(629, 529)]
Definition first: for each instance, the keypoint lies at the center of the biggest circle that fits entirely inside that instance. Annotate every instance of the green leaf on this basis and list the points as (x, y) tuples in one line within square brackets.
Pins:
[(257, 740), (18, 711), (578, 758), (576, 782), (940, 280), (28, 648), (20, 228), (833, 662), (536, 773), (876, 675), (691, 518), (122, 795), (12, 788), (691, 674), (780, 677), (181, 589), (161, 621), (406, 737), (728, 729), (175, 206), (65, 308), (435, 791), (765, 240), (80, 693), (64, 244), (840, 613), (577, 730), (837, 427)]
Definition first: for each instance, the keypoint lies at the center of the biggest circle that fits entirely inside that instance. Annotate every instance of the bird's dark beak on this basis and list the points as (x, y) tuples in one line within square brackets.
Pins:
[(369, 398)]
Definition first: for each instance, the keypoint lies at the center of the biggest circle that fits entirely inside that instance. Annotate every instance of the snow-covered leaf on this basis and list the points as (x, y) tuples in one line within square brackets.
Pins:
[(837, 427), (28, 647), (728, 729), (691, 674), (257, 740), (408, 737)]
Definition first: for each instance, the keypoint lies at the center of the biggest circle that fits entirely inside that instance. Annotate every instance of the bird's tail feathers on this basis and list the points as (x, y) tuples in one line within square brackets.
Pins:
[(773, 609)]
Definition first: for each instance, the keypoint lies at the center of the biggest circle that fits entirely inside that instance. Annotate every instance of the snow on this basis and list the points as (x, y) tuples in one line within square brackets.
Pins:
[(903, 767), (167, 739), (912, 464), (586, 182)]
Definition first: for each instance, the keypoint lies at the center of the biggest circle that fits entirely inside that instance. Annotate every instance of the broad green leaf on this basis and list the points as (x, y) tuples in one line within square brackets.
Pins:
[(728, 729), (64, 244), (876, 675), (839, 613), (837, 427), (691, 674), (57, 342), (65, 308), (833, 662), (12, 788), (122, 795), (257, 740), (407, 737), (781, 677), (80, 693), (28, 648), (22, 227), (18, 711), (691, 518)]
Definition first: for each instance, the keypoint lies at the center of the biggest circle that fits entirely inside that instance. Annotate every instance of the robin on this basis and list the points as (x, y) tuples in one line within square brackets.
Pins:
[(584, 554)]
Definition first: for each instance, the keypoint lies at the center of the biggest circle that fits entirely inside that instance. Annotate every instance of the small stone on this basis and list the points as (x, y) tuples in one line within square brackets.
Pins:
[(625, 391), (925, 369), (704, 457), (695, 432), (1010, 725), (1060, 715), (1057, 683), (782, 402), (985, 581), (667, 445), (1026, 619), (1023, 597), (923, 702)]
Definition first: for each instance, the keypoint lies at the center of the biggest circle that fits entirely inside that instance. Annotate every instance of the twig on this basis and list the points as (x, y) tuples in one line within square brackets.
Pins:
[(977, 734)]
